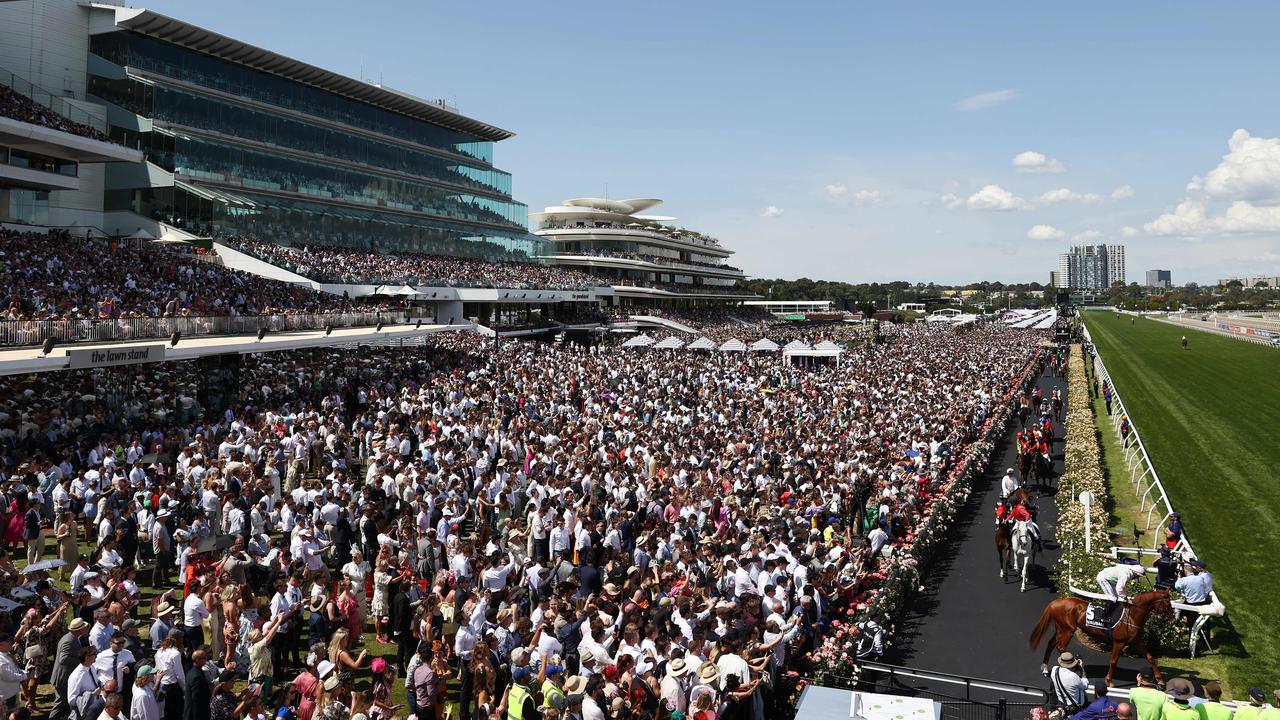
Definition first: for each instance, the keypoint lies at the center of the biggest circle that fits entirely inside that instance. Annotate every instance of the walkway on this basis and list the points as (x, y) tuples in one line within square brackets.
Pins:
[(968, 621)]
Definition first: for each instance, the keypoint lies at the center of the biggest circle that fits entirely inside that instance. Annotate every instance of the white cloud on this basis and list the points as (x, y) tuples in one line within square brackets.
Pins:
[(1129, 232), (837, 190), (995, 198), (1057, 196), (1091, 198), (1086, 236), (1188, 219), (951, 201), (1045, 232), (1123, 192), (1250, 172), (772, 212), (1034, 162), (1247, 177), (986, 99), (867, 197), (861, 197)]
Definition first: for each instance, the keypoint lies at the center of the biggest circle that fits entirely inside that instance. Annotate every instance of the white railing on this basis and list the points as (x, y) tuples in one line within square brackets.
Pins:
[(1212, 325), (1145, 481)]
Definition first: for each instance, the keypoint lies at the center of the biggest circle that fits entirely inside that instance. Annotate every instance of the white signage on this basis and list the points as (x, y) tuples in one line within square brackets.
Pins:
[(874, 706), (106, 357)]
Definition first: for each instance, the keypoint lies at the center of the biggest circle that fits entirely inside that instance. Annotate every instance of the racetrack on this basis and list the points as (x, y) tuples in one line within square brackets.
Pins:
[(1207, 416)]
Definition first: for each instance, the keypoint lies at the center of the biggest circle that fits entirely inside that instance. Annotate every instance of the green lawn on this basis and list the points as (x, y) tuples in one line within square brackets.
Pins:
[(1207, 417)]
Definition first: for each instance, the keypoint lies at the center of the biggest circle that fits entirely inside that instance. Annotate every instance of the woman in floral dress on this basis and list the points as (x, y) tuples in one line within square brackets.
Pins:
[(381, 601)]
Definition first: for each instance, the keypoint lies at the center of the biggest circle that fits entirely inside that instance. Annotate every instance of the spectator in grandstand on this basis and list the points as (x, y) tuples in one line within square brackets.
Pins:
[(20, 107)]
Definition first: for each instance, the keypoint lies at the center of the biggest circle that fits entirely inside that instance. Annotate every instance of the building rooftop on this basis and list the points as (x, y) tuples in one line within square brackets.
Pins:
[(193, 37)]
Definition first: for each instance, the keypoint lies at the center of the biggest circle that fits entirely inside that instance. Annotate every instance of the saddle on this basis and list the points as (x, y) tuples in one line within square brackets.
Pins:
[(1104, 614)]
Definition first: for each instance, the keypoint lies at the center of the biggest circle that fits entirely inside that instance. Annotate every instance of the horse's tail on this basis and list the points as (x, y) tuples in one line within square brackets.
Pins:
[(1038, 634)]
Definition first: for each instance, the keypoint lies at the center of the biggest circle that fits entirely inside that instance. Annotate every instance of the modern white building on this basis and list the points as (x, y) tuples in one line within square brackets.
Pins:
[(1090, 267), (617, 241)]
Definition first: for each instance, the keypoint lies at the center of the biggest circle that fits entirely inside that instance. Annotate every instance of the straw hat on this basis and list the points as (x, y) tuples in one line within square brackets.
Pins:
[(708, 673)]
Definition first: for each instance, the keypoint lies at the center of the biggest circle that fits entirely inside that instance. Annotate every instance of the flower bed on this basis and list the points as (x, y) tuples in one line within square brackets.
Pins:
[(1082, 471), (835, 655)]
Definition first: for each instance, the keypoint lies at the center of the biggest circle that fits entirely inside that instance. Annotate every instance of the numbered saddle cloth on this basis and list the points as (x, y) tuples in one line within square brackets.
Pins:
[(1103, 614)]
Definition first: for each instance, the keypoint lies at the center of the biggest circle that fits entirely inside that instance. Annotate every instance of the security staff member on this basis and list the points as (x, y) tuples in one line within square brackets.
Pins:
[(520, 702)]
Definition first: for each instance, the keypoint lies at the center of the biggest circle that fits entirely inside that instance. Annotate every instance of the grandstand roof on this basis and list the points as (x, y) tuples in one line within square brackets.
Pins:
[(179, 32)]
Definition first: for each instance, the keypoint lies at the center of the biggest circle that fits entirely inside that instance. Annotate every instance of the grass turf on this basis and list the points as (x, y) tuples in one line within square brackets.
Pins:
[(1206, 416)]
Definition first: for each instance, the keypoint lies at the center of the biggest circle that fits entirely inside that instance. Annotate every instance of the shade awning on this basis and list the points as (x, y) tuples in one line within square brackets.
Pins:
[(702, 343), (827, 345), (764, 345), (639, 341), (795, 345), (670, 343), (733, 345)]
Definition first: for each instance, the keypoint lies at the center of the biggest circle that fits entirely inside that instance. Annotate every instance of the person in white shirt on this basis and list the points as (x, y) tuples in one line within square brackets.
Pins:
[(115, 661), (11, 673), (143, 704), (1008, 483), (83, 679), (194, 613)]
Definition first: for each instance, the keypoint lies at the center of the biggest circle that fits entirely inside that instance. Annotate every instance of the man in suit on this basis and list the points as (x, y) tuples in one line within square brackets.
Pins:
[(199, 693), (65, 660)]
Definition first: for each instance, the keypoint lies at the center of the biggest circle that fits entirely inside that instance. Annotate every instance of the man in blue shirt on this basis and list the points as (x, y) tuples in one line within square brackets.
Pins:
[(1196, 585), (1102, 708)]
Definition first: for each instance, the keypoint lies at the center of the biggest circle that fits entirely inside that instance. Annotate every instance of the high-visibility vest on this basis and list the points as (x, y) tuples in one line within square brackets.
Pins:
[(515, 702), (549, 690)]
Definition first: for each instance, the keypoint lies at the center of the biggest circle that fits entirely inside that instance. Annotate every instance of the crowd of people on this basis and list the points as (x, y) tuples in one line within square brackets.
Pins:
[(57, 276), (14, 104), (532, 531), (347, 265), (1179, 699)]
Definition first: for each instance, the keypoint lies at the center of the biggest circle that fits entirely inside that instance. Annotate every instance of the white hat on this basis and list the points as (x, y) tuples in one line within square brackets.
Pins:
[(324, 668)]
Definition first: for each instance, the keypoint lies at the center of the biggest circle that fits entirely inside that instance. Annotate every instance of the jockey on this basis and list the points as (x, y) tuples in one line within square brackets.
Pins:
[(1008, 483), (1020, 513), (1114, 578), (1002, 511)]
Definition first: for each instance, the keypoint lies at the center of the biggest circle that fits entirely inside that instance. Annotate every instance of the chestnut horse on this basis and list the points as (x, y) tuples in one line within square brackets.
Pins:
[(1067, 616)]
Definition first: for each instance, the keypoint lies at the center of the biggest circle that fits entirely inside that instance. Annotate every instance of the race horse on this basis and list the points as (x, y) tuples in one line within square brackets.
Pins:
[(1068, 615), (1015, 548)]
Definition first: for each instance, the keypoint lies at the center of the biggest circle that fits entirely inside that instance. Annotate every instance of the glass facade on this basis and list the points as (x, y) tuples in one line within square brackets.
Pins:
[(180, 107), (127, 49), (289, 163), (288, 221)]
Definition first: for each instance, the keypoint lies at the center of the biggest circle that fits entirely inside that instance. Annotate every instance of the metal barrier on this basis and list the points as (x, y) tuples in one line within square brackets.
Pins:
[(1146, 484), (971, 699), (15, 333)]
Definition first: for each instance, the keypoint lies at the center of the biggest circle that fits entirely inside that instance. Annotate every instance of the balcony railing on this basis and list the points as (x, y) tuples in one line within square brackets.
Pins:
[(16, 333)]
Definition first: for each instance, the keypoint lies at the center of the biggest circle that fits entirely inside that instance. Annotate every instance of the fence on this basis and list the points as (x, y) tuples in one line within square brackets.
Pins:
[(34, 332), (1219, 326), (961, 697), (1145, 481)]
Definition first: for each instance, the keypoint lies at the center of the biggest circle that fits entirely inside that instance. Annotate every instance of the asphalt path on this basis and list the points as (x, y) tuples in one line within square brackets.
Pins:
[(968, 621)]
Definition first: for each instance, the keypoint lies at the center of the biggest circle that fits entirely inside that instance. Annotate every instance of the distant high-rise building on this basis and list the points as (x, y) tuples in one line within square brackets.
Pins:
[(1252, 281), (1092, 267), (1057, 279), (1115, 265), (1159, 279)]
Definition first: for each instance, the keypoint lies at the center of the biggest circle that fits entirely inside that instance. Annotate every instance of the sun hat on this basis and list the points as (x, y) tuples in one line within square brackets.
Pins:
[(1069, 660), (575, 684), (324, 668), (145, 670), (331, 682), (163, 609), (77, 624), (677, 668), (1180, 689), (708, 673)]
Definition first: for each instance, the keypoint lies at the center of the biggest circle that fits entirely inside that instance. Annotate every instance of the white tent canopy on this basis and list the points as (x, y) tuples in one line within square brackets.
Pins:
[(639, 341), (795, 345), (406, 290), (733, 345), (702, 343), (670, 343), (826, 345), (764, 345), (141, 234)]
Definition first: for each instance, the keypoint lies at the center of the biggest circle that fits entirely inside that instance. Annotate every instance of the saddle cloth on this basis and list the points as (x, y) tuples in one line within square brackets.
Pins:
[(1096, 616)]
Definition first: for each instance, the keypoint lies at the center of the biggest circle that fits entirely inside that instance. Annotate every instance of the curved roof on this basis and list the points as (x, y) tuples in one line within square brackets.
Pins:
[(211, 43), (622, 207)]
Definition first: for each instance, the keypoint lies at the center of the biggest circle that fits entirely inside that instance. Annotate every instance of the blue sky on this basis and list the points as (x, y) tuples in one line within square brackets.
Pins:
[(855, 141)]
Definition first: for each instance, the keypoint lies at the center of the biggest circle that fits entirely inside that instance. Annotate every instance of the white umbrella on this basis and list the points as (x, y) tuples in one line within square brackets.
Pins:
[(795, 345), (671, 343), (733, 345), (764, 345), (702, 343)]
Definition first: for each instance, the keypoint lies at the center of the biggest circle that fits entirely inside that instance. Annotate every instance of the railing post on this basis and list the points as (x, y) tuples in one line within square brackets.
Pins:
[(1002, 713)]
